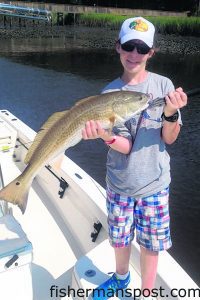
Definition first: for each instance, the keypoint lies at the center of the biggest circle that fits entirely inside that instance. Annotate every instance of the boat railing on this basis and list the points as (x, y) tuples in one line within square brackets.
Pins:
[(3, 204), (25, 12)]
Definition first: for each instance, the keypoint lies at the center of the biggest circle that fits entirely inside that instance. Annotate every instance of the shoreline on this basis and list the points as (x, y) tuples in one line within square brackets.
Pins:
[(88, 37)]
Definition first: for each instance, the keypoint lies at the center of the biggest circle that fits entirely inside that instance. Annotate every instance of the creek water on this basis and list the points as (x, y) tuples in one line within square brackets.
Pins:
[(41, 76)]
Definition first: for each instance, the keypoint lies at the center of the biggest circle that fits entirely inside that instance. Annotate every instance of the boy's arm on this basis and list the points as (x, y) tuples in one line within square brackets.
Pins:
[(93, 130), (174, 101)]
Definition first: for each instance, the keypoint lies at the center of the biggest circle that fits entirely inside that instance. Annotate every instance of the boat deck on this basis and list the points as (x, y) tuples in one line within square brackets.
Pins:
[(53, 259), (60, 231), (53, 255)]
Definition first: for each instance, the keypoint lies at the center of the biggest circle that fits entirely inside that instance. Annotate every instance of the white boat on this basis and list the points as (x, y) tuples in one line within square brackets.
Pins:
[(64, 244)]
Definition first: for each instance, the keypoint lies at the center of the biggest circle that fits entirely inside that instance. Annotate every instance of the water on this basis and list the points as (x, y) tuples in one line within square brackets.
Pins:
[(39, 77)]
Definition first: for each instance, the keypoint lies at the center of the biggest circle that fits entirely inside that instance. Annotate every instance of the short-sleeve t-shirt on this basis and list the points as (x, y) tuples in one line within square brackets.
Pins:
[(146, 169)]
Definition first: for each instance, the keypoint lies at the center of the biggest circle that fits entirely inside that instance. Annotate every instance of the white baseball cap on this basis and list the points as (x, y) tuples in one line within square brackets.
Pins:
[(137, 29)]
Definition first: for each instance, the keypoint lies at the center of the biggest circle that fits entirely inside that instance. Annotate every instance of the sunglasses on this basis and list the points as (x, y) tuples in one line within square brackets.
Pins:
[(130, 46)]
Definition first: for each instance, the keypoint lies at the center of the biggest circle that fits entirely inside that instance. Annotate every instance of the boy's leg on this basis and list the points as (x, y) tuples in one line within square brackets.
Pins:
[(122, 256), (153, 234), (121, 228), (148, 265), (121, 231)]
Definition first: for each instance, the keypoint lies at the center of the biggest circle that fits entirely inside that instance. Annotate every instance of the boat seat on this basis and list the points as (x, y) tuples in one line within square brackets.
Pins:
[(93, 269)]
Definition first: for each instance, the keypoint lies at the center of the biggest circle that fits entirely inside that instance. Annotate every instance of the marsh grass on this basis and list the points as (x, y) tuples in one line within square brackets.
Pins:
[(164, 24)]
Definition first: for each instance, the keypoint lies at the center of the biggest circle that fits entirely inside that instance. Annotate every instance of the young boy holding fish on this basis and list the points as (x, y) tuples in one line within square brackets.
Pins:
[(138, 168)]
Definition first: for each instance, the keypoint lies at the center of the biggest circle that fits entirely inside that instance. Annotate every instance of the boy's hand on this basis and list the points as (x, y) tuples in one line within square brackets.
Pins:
[(94, 130), (174, 101)]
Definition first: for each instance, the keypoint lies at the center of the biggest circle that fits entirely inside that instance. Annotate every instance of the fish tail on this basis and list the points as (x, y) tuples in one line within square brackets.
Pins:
[(16, 192)]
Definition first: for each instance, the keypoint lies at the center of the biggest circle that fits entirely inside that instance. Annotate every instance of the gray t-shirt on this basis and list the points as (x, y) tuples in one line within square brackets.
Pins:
[(146, 169)]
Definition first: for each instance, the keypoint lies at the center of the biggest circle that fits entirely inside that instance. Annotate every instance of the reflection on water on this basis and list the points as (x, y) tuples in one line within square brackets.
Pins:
[(39, 77), (64, 55)]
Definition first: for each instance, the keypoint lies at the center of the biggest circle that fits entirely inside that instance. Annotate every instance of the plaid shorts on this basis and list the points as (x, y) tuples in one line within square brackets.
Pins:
[(148, 216)]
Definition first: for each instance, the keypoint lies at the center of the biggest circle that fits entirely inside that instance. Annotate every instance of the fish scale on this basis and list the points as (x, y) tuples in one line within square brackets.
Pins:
[(63, 130)]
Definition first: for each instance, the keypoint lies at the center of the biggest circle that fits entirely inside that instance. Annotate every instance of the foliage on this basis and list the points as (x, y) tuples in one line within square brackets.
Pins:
[(163, 24)]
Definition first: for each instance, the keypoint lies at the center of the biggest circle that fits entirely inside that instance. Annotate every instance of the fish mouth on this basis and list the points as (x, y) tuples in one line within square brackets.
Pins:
[(156, 102)]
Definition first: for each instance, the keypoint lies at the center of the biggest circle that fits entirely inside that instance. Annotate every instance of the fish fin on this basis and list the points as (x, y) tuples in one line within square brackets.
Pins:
[(42, 132), (16, 192), (53, 119), (84, 100), (112, 123), (118, 120)]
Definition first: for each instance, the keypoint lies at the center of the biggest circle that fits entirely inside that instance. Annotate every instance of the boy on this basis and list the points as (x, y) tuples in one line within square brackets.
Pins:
[(138, 170)]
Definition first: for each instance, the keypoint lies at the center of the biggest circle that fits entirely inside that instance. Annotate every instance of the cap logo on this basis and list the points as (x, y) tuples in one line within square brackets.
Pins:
[(139, 25)]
